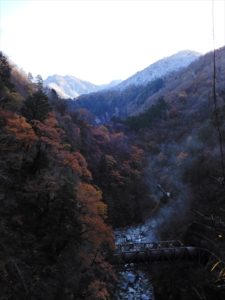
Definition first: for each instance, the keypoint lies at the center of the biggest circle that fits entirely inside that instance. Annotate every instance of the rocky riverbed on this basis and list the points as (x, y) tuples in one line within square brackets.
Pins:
[(134, 283)]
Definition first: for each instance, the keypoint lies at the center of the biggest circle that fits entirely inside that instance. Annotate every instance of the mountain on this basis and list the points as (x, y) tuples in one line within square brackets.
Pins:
[(71, 87), (187, 93), (161, 68), (166, 164), (113, 83), (190, 86), (182, 127), (129, 97)]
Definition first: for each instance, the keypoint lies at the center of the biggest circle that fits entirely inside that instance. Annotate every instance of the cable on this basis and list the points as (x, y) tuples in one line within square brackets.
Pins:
[(217, 125)]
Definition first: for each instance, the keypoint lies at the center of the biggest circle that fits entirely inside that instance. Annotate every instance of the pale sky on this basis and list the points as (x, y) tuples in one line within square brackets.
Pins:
[(103, 40)]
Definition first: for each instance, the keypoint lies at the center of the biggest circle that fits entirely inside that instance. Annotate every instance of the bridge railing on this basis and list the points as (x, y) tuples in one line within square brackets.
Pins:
[(169, 252), (133, 247), (161, 255)]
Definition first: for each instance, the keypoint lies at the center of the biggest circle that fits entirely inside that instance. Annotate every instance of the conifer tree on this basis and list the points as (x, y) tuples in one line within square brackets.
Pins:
[(5, 71), (36, 107)]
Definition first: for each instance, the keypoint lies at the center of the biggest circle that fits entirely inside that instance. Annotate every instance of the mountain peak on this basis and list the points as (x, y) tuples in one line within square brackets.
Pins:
[(69, 86), (161, 68)]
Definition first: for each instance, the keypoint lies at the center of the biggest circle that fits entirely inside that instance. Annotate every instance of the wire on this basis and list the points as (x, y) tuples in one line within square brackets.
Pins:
[(217, 125)]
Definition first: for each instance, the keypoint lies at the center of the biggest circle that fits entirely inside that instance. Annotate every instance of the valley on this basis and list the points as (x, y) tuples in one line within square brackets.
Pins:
[(139, 160)]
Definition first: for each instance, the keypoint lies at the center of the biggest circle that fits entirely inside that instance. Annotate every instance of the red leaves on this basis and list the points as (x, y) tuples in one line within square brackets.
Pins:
[(53, 136), (17, 127), (54, 216), (16, 138), (97, 290), (88, 197), (91, 210), (49, 132), (76, 162)]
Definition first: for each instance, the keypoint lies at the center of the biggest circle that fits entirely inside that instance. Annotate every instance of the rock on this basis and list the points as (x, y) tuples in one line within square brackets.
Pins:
[(131, 290), (131, 277), (145, 297)]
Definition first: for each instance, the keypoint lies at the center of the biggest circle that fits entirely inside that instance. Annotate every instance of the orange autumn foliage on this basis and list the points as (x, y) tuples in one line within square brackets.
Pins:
[(17, 127), (77, 163), (49, 132), (91, 215)]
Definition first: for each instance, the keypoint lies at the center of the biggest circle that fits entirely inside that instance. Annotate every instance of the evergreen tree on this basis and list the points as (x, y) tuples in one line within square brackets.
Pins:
[(36, 107), (39, 82), (30, 77), (5, 71)]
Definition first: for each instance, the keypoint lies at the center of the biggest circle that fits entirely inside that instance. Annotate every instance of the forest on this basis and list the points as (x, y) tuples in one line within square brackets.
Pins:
[(64, 184), (67, 182)]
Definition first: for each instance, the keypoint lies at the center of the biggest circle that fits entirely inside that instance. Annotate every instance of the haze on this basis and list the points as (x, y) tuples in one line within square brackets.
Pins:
[(100, 41)]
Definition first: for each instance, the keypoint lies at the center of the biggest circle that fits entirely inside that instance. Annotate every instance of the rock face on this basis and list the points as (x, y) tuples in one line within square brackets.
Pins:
[(160, 68)]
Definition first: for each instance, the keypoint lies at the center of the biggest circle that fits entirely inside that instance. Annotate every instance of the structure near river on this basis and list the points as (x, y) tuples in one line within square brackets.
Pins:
[(163, 251), (169, 251)]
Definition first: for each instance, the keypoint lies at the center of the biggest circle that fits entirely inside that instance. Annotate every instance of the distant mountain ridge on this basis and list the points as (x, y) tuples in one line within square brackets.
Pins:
[(70, 87), (160, 68), (130, 97)]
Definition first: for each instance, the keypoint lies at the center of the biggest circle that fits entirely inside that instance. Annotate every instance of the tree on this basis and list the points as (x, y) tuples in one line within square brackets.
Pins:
[(36, 107), (5, 71), (39, 82), (4, 68), (30, 77)]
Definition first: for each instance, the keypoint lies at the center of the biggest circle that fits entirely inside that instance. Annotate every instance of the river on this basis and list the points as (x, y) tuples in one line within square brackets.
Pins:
[(134, 283)]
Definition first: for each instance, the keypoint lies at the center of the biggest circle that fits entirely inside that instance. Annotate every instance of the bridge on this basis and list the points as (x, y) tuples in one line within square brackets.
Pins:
[(162, 251), (168, 251)]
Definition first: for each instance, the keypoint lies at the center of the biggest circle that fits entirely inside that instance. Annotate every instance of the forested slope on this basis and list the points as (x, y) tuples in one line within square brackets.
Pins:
[(63, 183), (184, 132), (190, 86)]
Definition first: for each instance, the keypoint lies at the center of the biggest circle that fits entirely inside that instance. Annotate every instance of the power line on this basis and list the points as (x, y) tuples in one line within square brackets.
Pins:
[(217, 125)]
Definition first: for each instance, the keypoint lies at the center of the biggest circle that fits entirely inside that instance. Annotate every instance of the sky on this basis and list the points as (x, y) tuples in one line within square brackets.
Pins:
[(104, 40)]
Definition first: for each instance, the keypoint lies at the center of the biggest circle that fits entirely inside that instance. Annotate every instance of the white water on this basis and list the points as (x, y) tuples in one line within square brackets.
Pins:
[(134, 284)]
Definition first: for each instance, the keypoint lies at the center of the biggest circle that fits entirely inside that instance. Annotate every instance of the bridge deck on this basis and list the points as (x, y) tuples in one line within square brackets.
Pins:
[(159, 251), (131, 247), (168, 251)]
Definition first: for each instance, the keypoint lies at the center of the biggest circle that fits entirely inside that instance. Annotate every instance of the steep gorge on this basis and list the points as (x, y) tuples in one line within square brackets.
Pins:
[(66, 181)]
